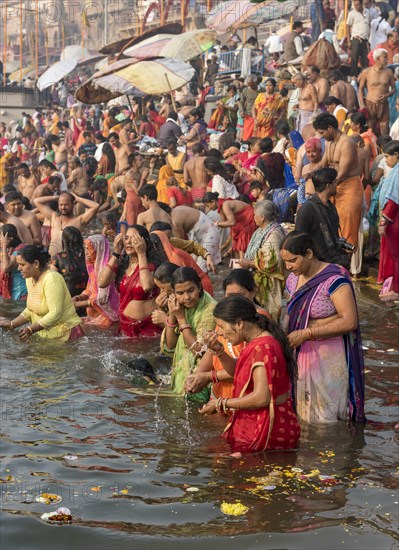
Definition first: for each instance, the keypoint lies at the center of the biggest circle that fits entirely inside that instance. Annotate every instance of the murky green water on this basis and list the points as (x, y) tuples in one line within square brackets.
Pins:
[(137, 455)]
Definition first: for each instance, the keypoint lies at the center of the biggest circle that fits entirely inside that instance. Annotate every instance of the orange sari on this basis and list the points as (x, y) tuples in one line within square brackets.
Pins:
[(268, 110), (165, 173)]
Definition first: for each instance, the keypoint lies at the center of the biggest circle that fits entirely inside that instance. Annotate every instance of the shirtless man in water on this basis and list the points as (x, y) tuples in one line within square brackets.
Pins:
[(308, 102), (78, 181), (341, 154), (64, 217), (380, 84), (320, 83), (195, 175), (61, 153), (14, 206), (154, 213), (27, 181), (122, 152), (343, 90), (23, 232)]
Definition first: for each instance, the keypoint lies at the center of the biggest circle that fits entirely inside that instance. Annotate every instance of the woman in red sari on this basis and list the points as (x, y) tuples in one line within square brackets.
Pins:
[(268, 108), (263, 413), (134, 279), (243, 163), (240, 217)]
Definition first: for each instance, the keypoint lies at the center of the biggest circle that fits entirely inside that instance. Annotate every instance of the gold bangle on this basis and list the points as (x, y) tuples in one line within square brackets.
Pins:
[(11, 325), (30, 330)]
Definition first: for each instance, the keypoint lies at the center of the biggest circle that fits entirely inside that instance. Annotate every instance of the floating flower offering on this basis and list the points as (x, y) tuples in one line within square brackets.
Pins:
[(236, 509), (61, 516), (49, 498)]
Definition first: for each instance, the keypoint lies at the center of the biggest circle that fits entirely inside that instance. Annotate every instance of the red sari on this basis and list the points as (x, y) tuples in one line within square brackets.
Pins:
[(130, 289), (272, 427), (391, 213), (244, 228)]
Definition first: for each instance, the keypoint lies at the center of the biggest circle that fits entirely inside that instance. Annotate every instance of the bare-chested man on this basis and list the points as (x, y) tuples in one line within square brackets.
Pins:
[(78, 181), (153, 212), (52, 187), (380, 84), (61, 153), (195, 175), (14, 205), (194, 224), (343, 90), (124, 134), (308, 102), (320, 83), (341, 154), (122, 153), (23, 232), (27, 181), (64, 217)]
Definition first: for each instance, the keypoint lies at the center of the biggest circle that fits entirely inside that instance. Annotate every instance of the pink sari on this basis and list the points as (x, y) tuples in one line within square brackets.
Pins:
[(104, 302)]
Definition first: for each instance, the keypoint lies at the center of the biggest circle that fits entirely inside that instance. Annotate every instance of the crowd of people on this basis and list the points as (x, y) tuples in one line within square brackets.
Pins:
[(118, 218)]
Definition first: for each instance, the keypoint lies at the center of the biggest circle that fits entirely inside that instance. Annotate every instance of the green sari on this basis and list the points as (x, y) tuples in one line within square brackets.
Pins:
[(185, 363)]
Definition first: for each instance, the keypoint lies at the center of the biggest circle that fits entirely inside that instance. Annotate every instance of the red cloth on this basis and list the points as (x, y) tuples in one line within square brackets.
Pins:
[(391, 211), (133, 207), (197, 193), (130, 289), (243, 229), (272, 427), (249, 124), (182, 199)]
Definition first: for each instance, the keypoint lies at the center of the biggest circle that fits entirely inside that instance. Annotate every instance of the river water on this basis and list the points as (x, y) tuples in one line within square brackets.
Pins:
[(146, 470)]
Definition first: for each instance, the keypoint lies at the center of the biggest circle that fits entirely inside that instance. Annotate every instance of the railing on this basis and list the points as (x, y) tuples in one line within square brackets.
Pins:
[(232, 62)]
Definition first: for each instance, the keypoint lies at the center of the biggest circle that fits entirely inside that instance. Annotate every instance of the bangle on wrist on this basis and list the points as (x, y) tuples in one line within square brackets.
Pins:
[(170, 325), (30, 329), (144, 268), (184, 327)]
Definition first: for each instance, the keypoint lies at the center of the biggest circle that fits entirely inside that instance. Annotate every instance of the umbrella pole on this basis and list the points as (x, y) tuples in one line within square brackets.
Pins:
[(5, 44), (37, 38), (171, 93), (20, 41), (345, 18)]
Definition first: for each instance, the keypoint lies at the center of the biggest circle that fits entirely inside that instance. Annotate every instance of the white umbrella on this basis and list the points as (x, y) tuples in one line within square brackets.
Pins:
[(55, 73), (74, 52)]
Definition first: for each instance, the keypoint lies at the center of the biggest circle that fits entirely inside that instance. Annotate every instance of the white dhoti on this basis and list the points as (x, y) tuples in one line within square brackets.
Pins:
[(208, 236)]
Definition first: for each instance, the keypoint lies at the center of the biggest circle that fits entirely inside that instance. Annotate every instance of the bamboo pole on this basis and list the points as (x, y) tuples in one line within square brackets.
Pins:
[(62, 35), (46, 46), (5, 43), (171, 93), (162, 12), (37, 38), (209, 5), (183, 14), (345, 18), (20, 41)]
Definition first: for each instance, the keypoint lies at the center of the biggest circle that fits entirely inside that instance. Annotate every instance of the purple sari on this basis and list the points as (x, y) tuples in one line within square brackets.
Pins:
[(299, 312)]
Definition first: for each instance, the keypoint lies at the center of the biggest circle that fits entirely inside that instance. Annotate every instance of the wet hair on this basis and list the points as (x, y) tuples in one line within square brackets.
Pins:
[(24, 166), (314, 69), (253, 141), (324, 120), (244, 198), (214, 153), (209, 197), (336, 75), (332, 100), (282, 127), (71, 197), (184, 275), (32, 253), (13, 196), (297, 25), (197, 148), (360, 119), (165, 207), (26, 203), (266, 145), (44, 163), (383, 140), (267, 209), (392, 147), (236, 308), (113, 135), (160, 226), (323, 177), (216, 167), (72, 241), (109, 153), (284, 92), (196, 112), (298, 243), (149, 191), (53, 180), (242, 277), (12, 232), (165, 272)]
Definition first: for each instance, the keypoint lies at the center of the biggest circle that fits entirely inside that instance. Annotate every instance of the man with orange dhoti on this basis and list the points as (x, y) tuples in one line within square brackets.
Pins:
[(341, 154)]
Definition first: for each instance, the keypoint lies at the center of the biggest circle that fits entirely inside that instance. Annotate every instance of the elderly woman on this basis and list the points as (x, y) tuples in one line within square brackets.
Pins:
[(263, 256), (314, 154)]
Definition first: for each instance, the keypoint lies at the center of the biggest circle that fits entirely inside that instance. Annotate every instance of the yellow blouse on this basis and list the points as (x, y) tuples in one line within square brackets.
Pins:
[(50, 304)]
